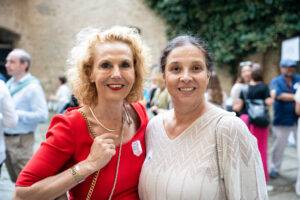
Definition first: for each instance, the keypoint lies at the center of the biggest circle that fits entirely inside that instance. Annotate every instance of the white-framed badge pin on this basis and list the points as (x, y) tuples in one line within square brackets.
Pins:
[(137, 148)]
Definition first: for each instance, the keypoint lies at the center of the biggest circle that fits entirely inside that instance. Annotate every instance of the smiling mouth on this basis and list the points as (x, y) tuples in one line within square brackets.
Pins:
[(115, 86), (186, 89)]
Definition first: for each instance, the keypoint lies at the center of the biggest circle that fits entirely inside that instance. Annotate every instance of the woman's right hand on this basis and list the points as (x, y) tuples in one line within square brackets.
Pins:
[(102, 150)]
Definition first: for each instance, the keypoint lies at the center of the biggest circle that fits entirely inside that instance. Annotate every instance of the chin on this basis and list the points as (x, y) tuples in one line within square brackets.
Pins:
[(115, 98)]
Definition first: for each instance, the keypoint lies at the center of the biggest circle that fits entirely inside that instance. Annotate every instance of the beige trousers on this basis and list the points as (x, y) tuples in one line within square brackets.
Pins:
[(19, 150)]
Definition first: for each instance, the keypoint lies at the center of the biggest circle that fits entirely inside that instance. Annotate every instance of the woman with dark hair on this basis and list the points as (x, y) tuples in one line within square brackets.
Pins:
[(257, 90), (197, 150)]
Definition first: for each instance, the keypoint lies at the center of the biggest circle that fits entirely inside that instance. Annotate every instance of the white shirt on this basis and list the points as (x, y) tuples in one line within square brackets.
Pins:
[(188, 166), (8, 116), (236, 91), (63, 96), (30, 103)]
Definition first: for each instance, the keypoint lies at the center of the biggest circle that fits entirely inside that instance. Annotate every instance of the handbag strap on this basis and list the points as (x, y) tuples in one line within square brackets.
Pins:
[(245, 92)]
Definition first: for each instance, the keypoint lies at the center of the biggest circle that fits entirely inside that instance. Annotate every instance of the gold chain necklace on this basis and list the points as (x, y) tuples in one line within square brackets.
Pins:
[(108, 129), (93, 184)]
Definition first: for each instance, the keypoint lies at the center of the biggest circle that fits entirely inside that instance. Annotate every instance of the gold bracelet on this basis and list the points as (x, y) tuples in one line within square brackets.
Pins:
[(75, 173)]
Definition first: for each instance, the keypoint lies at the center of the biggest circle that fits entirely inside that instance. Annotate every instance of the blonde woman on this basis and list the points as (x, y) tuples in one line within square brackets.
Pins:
[(89, 150)]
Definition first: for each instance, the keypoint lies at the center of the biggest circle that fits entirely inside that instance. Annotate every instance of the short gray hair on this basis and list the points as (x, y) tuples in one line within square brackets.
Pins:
[(23, 55)]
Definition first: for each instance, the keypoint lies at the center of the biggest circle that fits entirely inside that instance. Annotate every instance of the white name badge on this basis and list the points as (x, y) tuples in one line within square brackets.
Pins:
[(137, 148)]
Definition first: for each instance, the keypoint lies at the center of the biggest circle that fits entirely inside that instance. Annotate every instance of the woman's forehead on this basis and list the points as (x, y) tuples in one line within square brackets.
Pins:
[(184, 53), (115, 48)]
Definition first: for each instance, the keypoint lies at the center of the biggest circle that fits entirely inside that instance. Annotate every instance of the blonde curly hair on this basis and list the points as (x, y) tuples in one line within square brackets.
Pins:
[(80, 61)]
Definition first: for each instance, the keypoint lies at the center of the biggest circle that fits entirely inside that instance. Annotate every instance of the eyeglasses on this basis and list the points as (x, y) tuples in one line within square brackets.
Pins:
[(245, 63)]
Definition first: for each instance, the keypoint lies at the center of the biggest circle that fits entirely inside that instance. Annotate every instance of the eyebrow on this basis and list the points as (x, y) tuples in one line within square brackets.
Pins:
[(199, 62), (127, 60)]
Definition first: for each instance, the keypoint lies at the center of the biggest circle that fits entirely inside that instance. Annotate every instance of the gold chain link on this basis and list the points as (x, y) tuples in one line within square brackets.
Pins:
[(93, 184), (94, 181)]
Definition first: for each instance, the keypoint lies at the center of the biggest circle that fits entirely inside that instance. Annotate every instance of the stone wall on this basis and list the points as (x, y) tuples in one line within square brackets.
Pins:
[(48, 28)]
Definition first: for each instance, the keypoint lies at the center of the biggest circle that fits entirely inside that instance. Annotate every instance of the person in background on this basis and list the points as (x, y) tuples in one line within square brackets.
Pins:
[(95, 151), (257, 89), (2, 77), (243, 79), (8, 117), (297, 110), (153, 88), (62, 97), (31, 108), (282, 90), (161, 99), (214, 93), (198, 150)]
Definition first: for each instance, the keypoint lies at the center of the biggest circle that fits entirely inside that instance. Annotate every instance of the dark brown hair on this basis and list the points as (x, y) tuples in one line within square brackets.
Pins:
[(215, 89), (184, 40), (257, 74)]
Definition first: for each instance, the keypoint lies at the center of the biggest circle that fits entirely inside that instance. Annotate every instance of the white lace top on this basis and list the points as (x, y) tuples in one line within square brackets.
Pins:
[(187, 167)]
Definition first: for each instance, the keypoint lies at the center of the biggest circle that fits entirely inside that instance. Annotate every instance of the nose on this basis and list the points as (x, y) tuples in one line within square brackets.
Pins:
[(7, 64), (116, 73), (186, 77)]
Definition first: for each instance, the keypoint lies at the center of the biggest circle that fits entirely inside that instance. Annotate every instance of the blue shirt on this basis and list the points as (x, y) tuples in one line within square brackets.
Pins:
[(30, 104), (284, 111)]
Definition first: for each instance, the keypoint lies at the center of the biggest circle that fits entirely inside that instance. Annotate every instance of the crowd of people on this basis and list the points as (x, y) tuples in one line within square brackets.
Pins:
[(105, 147)]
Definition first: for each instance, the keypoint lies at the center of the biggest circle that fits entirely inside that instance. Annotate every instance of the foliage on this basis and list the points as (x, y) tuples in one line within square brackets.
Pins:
[(233, 28)]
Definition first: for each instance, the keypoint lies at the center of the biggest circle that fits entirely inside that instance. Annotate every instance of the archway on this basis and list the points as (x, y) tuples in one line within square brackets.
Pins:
[(8, 40)]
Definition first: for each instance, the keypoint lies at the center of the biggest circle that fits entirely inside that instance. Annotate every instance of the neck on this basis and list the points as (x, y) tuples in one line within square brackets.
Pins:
[(19, 76), (108, 111), (288, 78), (187, 113)]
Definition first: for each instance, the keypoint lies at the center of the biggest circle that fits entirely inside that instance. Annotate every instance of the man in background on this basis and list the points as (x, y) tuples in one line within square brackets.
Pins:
[(31, 108), (283, 88)]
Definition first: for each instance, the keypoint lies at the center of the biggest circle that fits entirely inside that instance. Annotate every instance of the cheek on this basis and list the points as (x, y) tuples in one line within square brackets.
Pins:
[(130, 77), (132, 74), (169, 78), (170, 83)]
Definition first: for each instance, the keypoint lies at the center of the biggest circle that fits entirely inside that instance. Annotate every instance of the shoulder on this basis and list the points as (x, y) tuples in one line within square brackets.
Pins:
[(3, 87), (234, 131), (278, 79), (2, 84), (71, 116), (156, 122), (139, 111), (297, 76), (217, 113), (275, 80), (69, 122), (34, 85)]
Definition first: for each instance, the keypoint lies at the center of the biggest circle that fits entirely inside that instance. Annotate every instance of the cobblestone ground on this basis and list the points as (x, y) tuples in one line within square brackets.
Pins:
[(283, 186)]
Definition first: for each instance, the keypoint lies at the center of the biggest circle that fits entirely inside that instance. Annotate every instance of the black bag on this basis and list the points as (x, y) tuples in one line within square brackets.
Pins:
[(257, 110)]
